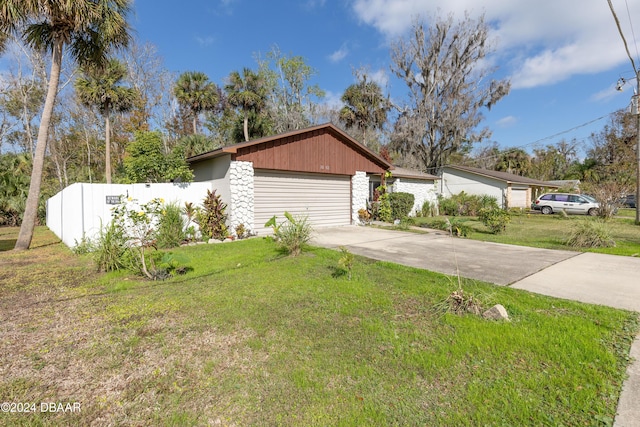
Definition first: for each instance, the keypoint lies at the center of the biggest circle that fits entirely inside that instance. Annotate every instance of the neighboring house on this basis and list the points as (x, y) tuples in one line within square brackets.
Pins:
[(511, 191), (320, 172), (422, 185)]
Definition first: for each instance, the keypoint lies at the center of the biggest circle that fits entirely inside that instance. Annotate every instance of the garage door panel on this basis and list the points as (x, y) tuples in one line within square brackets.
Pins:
[(519, 198), (325, 199)]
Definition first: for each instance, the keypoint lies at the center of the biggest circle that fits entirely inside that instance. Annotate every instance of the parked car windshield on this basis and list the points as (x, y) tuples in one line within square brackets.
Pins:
[(589, 198)]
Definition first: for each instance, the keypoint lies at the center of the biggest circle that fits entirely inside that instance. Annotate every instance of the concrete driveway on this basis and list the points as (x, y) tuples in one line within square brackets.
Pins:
[(436, 251), (608, 280)]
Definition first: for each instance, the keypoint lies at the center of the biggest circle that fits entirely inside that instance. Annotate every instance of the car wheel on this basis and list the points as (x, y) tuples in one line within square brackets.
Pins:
[(546, 210), (592, 212)]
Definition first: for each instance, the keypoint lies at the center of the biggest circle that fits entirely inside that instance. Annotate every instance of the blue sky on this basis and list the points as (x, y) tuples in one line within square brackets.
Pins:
[(563, 57)]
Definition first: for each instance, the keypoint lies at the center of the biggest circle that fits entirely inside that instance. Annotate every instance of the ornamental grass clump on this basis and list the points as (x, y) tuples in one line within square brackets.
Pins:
[(458, 302), (291, 235), (591, 234), (171, 227)]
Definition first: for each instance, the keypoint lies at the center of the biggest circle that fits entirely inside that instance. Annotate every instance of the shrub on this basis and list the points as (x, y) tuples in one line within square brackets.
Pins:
[(110, 248), (428, 209), (454, 226), (292, 234), (212, 218), (463, 204), (165, 264), (401, 204), (364, 216), (241, 231), (458, 227), (488, 202), (171, 228), (139, 225), (448, 206), (590, 234), (383, 212), (346, 261), (494, 219)]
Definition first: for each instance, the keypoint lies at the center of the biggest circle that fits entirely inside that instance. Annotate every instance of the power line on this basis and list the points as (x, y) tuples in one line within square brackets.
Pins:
[(624, 40), (631, 25), (517, 147)]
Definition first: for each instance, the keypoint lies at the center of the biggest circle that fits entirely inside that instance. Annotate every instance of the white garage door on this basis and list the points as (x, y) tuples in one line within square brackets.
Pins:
[(326, 199), (519, 198)]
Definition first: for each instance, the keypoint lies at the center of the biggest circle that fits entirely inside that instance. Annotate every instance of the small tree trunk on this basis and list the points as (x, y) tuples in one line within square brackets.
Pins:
[(31, 209), (246, 127), (107, 141)]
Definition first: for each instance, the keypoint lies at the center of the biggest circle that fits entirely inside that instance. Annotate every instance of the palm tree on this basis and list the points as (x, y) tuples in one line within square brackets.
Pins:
[(87, 29), (248, 93), (196, 93), (365, 107), (101, 87)]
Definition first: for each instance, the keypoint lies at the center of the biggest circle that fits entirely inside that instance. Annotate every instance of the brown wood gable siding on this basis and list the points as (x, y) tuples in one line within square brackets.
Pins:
[(318, 151)]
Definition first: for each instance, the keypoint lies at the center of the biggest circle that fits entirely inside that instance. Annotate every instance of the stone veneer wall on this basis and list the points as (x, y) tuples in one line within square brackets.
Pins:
[(359, 194), (421, 190), (240, 209)]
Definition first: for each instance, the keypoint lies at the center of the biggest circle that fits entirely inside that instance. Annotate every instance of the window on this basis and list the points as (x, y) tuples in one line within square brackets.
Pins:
[(562, 197), (547, 197)]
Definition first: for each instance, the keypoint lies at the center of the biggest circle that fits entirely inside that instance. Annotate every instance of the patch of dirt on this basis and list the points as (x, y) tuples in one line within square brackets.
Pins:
[(62, 342)]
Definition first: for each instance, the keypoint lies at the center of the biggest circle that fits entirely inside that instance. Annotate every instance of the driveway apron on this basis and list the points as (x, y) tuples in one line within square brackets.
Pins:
[(436, 251)]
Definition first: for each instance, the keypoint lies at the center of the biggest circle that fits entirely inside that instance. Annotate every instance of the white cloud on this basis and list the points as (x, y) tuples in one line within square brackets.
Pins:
[(205, 41), (332, 99), (339, 54), (313, 4), (540, 42), (507, 121)]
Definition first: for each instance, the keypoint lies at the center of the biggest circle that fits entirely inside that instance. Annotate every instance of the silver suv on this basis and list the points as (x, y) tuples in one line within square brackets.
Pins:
[(570, 203)]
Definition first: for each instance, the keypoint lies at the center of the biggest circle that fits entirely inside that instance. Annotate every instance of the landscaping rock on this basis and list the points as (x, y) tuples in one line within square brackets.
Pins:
[(497, 312), (214, 241)]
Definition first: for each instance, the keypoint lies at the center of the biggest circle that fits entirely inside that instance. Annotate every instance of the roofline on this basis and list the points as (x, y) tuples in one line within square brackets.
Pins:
[(464, 169), (425, 177), (233, 149)]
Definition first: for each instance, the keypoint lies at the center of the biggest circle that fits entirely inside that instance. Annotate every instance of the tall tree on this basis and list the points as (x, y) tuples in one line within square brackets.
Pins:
[(444, 71), (14, 185), (290, 95), (365, 107), (148, 76), (102, 87), (87, 29), (146, 160), (515, 161), (197, 94), (247, 93), (613, 149), (554, 161)]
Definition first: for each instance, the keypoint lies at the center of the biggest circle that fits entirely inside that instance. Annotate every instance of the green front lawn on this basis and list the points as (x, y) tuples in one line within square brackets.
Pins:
[(552, 231), (250, 337)]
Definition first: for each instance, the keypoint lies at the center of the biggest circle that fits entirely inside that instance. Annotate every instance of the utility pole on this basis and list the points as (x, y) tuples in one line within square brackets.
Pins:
[(636, 112)]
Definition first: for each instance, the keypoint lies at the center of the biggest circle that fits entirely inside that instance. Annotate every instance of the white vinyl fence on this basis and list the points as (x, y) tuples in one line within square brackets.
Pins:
[(81, 209)]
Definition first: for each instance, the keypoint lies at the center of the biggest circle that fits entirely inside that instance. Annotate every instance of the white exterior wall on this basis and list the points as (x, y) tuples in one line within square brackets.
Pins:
[(359, 194), (81, 209), (422, 191), (218, 171), (240, 208), (459, 181)]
